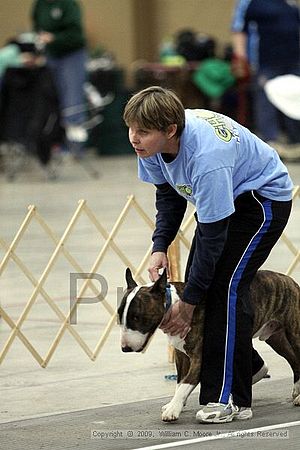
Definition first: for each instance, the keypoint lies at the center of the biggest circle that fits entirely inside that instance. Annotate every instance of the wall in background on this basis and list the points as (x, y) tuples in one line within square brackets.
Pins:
[(212, 17), (132, 29)]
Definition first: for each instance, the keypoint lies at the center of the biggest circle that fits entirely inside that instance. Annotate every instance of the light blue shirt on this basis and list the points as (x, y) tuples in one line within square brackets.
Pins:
[(10, 56), (218, 160)]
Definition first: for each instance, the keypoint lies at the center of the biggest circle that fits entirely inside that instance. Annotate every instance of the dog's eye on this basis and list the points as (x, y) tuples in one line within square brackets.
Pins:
[(135, 318)]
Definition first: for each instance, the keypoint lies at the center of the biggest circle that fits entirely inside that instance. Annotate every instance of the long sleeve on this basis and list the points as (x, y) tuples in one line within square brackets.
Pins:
[(210, 240), (170, 211)]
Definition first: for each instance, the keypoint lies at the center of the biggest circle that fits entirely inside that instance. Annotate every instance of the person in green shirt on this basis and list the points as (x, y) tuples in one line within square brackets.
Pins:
[(60, 30)]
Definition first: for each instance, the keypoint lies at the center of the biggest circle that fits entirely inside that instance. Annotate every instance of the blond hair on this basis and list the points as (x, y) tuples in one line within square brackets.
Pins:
[(155, 108)]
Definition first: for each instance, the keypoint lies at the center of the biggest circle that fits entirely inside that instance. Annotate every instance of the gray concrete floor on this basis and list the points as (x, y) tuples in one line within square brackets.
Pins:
[(85, 429), (72, 383)]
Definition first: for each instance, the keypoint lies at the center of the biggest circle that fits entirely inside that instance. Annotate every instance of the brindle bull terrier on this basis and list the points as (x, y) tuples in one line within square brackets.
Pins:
[(275, 299)]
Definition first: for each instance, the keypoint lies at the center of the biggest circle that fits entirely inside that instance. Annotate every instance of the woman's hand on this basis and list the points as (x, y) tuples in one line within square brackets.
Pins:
[(44, 37), (158, 260), (178, 319)]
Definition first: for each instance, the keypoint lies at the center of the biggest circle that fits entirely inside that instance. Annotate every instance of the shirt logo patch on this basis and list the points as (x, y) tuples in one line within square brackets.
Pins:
[(184, 189), (218, 122), (56, 13)]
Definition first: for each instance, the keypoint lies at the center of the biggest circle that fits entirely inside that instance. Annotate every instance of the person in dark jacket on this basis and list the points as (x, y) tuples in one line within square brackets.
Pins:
[(265, 35), (242, 194), (60, 29)]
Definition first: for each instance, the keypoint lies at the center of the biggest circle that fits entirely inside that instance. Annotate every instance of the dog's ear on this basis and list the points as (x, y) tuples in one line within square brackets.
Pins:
[(129, 280), (120, 311), (160, 284)]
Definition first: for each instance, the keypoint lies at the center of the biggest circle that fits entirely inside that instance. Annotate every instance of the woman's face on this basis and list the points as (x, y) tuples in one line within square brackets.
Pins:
[(148, 142)]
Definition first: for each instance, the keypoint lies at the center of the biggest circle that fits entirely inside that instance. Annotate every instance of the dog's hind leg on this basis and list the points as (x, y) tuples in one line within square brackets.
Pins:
[(289, 348), (294, 340), (171, 411)]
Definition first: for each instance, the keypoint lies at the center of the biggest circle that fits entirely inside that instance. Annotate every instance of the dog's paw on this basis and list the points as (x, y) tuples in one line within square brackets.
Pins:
[(296, 401), (164, 407), (171, 411), (296, 394)]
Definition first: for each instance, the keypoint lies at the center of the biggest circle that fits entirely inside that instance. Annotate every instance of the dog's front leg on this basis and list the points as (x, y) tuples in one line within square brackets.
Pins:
[(171, 411), (296, 393)]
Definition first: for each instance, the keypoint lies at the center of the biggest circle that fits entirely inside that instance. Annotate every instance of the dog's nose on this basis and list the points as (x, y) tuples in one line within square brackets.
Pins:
[(127, 349)]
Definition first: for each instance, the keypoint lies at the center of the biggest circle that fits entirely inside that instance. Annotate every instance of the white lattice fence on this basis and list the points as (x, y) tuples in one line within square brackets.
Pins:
[(61, 251)]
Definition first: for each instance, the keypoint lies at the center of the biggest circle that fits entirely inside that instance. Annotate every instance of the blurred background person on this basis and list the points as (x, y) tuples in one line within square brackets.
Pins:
[(29, 107), (61, 32), (265, 38)]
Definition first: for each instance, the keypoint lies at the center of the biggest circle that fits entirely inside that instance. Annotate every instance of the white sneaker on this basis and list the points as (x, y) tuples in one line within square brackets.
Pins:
[(244, 413), (217, 413), (222, 413)]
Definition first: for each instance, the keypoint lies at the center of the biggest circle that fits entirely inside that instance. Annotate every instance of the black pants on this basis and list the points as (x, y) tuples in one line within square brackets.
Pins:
[(227, 364)]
